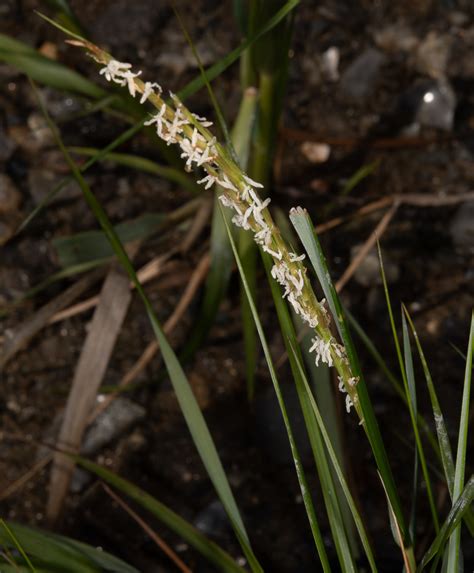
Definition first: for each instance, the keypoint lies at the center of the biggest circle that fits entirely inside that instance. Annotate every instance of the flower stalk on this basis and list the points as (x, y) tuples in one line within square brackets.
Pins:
[(175, 124)]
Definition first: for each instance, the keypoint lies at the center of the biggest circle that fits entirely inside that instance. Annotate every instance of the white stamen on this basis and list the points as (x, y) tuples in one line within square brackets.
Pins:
[(149, 89), (294, 258), (209, 180), (227, 183), (275, 254), (202, 120), (115, 70), (322, 350), (252, 182), (349, 404)]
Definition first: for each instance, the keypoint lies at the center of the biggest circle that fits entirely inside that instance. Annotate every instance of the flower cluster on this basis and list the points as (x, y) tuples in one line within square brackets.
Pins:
[(175, 124), (351, 382)]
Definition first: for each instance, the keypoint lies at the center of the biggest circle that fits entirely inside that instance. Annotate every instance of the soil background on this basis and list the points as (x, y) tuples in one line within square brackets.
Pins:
[(370, 108)]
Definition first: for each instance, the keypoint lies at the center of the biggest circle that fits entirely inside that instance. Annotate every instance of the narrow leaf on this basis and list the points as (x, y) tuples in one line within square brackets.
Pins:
[(210, 550), (305, 230), (187, 401), (296, 457), (455, 541), (337, 467), (44, 70), (453, 521), (63, 554)]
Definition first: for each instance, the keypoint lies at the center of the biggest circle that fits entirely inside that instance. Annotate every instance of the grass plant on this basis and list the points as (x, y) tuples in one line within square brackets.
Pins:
[(239, 170)]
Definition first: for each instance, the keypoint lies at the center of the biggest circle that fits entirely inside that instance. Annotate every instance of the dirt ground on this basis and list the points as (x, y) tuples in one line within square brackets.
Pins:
[(379, 84)]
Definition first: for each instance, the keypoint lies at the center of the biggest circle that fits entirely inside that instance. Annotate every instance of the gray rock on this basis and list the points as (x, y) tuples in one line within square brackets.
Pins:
[(330, 64), (213, 520), (368, 272), (462, 228), (80, 480), (120, 416), (437, 107), (359, 79), (428, 103)]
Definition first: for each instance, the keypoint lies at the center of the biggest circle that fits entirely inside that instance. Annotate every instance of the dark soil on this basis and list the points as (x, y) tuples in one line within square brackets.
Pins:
[(428, 249)]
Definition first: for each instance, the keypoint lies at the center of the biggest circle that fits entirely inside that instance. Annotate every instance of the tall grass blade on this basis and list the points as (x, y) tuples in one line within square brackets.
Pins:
[(233, 56), (336, 521), (411, 397), (453, 521), (58, 553), (17, 544), (445, 450), (408, 557), (45, 70), (210, 550), (308, 502), (91, 246), (322, 386), (305, 230), (394, 381), (337, 467), (409, 386), (66, 15), (441, 430), (122, 138), (455, 540), (187, 401), (142, 164)]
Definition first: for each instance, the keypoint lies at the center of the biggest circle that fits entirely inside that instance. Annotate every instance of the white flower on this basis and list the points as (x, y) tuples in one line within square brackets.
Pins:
[(341, 385), (349, 404), (252, 182), (209, 181), (129, 81), (209, 154), (225, 182), (311, 320), (225, 200), (175, 128), (322, 350), (275, 254), (115, 70), (246, 216), (159, 119), (294, 258), (202, 120), (149, 89), (257, 212), (264, 236)]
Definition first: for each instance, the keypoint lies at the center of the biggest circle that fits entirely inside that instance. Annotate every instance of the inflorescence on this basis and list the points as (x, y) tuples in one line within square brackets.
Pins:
[(175, 124)]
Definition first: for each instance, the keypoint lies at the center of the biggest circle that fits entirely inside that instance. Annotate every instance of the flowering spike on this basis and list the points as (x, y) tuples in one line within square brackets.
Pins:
[(175, 124)]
